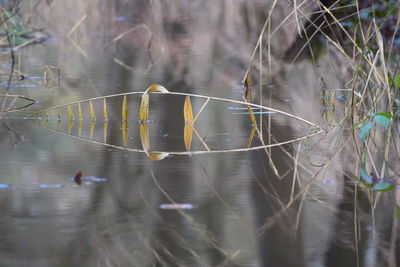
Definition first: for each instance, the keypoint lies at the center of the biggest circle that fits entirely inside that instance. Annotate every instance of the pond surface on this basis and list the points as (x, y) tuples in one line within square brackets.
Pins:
[(272, 206)]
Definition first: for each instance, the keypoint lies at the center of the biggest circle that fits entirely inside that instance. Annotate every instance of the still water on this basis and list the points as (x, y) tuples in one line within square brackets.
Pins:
[(275, 206)]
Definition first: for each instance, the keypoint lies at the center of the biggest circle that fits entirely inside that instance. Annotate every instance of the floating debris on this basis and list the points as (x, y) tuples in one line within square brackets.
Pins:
[(5, 186), (49, 185), (177, 206), (77, 178)]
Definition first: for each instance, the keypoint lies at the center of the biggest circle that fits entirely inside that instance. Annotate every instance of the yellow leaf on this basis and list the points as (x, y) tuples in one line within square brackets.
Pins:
[(253, 119), (157, 88), (157, 155), (70, 124), (144, 108), (92, 114), (92, 125), (187, 136), (70, 113), (144, 136), (80, 112), (125, 109), (251, 136), (80, 129), (248, 86), (105, 116), (105, 126), (187, 110), (125, 133)]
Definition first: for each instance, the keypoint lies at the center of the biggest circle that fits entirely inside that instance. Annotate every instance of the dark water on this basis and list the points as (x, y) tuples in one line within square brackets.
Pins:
[(280, 206)]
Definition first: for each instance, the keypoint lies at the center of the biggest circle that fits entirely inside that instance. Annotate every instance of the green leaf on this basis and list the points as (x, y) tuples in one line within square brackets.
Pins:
[(387, 115), (397, 212), (384, 186), (396, 81), (365, 176), (364, 132), (382, 121)]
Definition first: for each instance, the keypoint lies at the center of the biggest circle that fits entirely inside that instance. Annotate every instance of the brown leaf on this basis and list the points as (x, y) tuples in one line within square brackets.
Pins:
[(187, 136), (188, 111)]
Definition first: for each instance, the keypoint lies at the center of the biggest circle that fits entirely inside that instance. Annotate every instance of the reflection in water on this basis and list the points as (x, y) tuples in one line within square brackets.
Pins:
[(255, 205)]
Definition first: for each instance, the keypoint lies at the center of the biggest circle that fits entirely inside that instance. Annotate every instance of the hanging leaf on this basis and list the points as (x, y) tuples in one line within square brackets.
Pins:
[(382, 120), (92, 126), (70, 124), (248, 86), (125, 133), (124, 109), (70, 113), (365, 176), (384, 186), (144, 108), (105, 127), (187, 110), (187, 136), (92, 114), (252, 118), (105, 116), (80, 129), (364, 132), (251, 136), (80, 116), (144, 136)]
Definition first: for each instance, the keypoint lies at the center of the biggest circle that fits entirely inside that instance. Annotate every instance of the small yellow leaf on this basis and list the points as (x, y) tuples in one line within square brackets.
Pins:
[(144, 108), (253, 119), (92, 125), (70, 113), (70, 124), (187, 110), (105, 116), (144, 136), (187, 136), (80, 112), (92, 114), (125, 109), (251, 136), (125, 133), (80, 129), (105, 127)]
